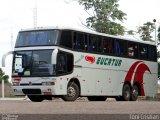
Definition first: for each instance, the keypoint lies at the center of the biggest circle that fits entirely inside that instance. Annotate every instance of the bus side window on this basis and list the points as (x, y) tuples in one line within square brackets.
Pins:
[(93, 42), (86, 42), (104, 45), (66, 39), (143, 51), (109, 45), (90, 43), (122, 48), (61, 64), (99, 47), (132, 50), (79, 41), (117, 48), (152, 53), (69, 62), (64, 63)]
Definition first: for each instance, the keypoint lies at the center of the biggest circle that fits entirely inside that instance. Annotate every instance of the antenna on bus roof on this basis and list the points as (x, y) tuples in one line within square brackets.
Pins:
[(35, 15)]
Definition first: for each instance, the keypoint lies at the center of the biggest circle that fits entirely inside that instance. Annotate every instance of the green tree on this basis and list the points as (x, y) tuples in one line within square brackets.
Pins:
[(105, 16), (3, 77), (145, 31)]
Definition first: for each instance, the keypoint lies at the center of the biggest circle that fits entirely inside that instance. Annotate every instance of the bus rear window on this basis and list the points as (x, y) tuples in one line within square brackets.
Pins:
[(37, 38)]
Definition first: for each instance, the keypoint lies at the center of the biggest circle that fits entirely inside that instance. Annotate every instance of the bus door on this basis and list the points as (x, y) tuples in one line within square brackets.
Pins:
[(64, 69)]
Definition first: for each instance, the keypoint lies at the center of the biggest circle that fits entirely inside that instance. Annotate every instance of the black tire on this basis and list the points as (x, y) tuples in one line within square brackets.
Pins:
[(126, 93), (36, 98), (97, 98), (48, 97), (119, 98), (134, 93), (72, 92)]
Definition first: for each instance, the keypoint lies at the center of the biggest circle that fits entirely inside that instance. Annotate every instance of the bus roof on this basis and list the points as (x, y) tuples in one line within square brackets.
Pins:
[(87, 31)]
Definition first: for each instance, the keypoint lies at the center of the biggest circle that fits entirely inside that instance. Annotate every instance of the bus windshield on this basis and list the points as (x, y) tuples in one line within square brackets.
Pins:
[(33, 63), (37, 38)]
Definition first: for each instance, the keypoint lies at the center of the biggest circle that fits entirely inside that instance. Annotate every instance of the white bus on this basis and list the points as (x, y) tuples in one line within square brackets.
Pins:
[(70, 63)]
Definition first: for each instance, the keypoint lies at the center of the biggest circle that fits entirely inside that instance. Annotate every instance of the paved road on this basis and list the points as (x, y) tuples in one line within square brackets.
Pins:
[(79, 109)]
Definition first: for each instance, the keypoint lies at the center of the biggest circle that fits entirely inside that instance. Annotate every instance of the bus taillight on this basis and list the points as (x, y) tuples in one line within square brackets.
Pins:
[(17, 79)]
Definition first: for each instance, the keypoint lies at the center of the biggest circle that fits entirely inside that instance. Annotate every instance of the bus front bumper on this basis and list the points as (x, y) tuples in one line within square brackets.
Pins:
[(34, 90)]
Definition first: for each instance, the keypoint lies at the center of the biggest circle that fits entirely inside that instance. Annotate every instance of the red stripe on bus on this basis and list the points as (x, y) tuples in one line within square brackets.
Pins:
[(131, 71), (139, 76)]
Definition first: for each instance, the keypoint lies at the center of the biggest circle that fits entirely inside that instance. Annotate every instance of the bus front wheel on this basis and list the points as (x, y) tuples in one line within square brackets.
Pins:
[(72, 92)]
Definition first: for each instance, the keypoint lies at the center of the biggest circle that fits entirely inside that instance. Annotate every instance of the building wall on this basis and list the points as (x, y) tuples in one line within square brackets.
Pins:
[(7, 89)]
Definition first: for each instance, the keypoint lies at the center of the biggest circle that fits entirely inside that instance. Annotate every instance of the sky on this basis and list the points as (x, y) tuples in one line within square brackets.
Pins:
[(18, 14)]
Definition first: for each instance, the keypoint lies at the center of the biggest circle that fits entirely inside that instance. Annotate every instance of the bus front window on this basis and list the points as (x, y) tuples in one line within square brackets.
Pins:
[(33, 63), (37, 38), (42, 63)]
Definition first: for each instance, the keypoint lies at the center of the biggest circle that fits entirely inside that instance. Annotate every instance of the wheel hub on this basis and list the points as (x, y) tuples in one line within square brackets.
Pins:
[(71, 92), (135, 92)]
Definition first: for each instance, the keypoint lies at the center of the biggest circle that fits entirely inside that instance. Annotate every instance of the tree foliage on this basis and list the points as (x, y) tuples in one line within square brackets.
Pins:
[(3, 77), (145, 31), (105, 16)]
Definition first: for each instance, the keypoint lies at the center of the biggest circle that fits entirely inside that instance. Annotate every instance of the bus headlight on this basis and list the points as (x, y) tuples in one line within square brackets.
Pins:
[(48, 83), (15, 83)]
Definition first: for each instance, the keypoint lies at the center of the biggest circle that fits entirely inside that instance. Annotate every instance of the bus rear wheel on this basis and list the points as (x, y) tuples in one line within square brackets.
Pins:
[(134, 93), (36, 98), (126, 95), (72, 92)]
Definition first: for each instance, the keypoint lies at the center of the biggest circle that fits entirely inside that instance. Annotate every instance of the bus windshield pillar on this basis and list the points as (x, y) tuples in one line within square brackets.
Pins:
[(54, 56)]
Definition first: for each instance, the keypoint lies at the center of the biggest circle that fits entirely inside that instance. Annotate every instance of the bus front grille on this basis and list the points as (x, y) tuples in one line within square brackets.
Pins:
[(33, 84)]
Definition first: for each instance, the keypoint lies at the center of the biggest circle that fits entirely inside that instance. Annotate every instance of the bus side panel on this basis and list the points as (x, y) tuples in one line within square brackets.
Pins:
[(100, 82), (114, 81), (61, 85), (88, 84), (150, 79), (150, 84)]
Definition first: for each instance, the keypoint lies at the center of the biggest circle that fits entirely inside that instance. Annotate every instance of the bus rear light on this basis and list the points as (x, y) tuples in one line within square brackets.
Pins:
[(17, 79)]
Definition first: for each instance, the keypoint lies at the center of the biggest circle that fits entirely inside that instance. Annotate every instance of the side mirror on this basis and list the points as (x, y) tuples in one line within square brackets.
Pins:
[(4, 57)]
